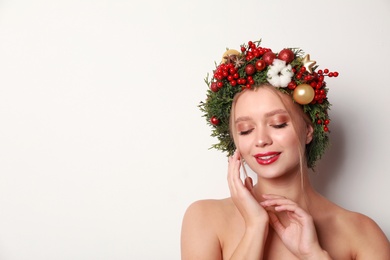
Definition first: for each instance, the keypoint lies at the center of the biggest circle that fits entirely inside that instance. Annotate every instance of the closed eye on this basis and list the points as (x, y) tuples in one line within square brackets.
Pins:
[(245, 132), (279, 126)]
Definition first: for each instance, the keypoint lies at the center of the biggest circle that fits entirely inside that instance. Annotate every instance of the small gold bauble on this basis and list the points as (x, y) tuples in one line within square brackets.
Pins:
[(303, 94)]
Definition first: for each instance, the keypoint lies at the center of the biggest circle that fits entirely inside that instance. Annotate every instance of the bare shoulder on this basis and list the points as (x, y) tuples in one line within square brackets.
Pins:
[(361, 233), (201, 226), (370, 241), (210, 207), (208, 213)]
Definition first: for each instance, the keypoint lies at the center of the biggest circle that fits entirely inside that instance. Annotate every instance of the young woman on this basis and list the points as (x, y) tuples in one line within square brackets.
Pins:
[(269, 112)]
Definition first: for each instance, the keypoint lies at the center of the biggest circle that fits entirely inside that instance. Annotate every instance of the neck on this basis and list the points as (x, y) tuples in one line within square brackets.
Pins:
[(295, 186)]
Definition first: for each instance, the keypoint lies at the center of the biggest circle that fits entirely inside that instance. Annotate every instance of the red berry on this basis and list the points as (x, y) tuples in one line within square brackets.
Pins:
[(326, 129), (335, 74), (292, 85), (243, 49), (218, 76), (214, 120), (326, 122), (214, 87), (326, 71)]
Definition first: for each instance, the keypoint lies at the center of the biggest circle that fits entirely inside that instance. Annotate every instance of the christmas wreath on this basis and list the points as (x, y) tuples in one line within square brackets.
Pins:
[(289, 71)]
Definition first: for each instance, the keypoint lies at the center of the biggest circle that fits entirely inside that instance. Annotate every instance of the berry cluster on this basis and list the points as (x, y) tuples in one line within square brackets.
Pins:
[(226, 71), (253, 51), (325, 124)]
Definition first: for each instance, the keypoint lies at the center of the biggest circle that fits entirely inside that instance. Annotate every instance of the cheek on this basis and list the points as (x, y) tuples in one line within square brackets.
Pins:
[(244, 144), (287, 139)]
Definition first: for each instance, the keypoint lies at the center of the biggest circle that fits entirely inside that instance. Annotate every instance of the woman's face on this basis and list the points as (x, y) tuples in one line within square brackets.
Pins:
[(264, 133)]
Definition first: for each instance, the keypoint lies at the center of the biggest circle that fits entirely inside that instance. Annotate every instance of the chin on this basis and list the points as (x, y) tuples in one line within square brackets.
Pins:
[(276, 170)]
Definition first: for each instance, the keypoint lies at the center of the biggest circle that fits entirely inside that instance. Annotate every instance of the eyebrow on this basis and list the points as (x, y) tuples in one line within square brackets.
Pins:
[(269, 114), (275, 112)]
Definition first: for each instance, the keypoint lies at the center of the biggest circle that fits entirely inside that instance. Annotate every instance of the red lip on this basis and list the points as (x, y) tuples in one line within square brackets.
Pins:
[(267, 158)]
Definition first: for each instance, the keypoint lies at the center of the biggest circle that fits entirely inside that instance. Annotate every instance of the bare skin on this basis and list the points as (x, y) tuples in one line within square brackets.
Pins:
[(282, 216), (215, 229), (212, 229)]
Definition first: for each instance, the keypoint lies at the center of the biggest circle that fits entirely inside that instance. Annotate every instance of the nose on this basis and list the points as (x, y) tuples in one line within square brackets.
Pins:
[(262, 137)]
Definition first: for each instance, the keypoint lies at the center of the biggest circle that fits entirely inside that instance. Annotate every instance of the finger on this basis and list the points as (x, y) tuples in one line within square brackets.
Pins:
[(276, 224), (233, 171), (299, 213), (277, 202), (249, 183), (273, 196)]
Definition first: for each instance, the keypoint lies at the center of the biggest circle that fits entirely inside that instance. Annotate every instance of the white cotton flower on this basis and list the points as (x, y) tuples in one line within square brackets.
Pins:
[(279, 75)]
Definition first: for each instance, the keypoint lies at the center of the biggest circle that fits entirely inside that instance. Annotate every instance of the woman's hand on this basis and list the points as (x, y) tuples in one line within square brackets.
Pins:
[(252, 212), (296, 230)]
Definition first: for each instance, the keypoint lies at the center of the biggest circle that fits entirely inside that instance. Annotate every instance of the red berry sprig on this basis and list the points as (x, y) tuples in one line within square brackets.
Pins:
[(325, 124), (224, 71), (329, 74), (252, 50)]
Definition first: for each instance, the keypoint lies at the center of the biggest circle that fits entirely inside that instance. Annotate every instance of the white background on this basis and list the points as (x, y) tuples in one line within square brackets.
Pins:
[(102, 146)]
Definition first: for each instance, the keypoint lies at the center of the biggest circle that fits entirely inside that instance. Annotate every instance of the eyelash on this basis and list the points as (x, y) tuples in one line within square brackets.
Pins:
[(280, 126), (245, 132), (274, 126)]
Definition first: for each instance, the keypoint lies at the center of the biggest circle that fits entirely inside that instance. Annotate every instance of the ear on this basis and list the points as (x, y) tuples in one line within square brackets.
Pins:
[(309, 133)]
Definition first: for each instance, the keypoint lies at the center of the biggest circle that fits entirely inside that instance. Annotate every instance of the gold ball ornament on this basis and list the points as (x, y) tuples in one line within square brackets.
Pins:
[(228, 53), (303, 94)]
